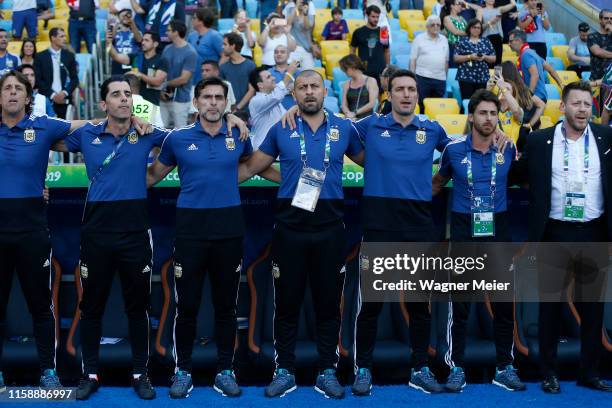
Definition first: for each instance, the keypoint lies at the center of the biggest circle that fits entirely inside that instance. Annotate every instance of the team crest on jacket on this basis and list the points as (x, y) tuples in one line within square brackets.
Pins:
[(334, 135), (230, 143), (421, 136), (499, 158), (132, 138), (84, 271), (29, 136)]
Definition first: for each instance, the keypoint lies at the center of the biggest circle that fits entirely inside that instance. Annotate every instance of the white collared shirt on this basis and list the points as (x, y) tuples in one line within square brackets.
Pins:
[(56, 85), (266, 110), (594, 206), (431, 56)]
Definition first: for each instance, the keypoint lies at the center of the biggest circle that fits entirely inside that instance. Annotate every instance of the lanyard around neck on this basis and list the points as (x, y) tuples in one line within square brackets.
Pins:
[(585, 134), (303, 155), (470, 175)]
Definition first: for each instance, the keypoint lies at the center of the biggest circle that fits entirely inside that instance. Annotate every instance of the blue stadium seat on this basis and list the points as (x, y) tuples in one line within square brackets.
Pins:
[(225, 24), (556, 63), (331, 104), (552, 91), (251, 8), (394, 24), (395, 6), (402, 61), (451, 78), (555, 39), (352, 14), (399, 35), (400, 48), (586, 75), (464, 104), (6, 25), (321, 4), (338, 76), (102, 13), (6, 5)]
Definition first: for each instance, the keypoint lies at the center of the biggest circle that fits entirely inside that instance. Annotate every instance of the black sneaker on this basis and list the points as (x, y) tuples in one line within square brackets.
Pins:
[(87, 386), (143, 387)]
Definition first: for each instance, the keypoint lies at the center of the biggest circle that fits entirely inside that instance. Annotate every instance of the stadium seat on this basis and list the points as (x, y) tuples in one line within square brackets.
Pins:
[(331, 62), (256, 25), (413, 26), (552, 91), (321, 71), (351, 14), (225, 25), (405, 16), (437, 106), (402, 61), (428, 6), (554, 39), (6, 5), (560, 51), (399, 36), (464, 104), (42, 45), (334, 47), (353, 25), (101, 13), (552, 110), (6, 25), (321, 4), (510, 57), (452, 124), (7, 14), (566, 77), (338, 76), (14, 47), (546, 122), (556, 63), (54, 22), (451, 79), (331, 104), (586, 75), (62, 13), (394, 24), (257, 55), (251, 8)]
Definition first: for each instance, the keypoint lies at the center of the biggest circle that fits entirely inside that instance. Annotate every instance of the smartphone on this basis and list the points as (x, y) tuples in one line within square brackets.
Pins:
[(280, 22), (497, 71)]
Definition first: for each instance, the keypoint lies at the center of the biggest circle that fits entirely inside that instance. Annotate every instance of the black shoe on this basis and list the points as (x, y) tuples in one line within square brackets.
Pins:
[(551, 385), (87, 386), (143, 387), (595, 384)]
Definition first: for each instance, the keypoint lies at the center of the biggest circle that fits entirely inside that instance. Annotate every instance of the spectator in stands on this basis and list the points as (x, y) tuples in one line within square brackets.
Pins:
[(8, 61), (437, 8), (24, 15), (301, 29), (228, 8), (28, 52), (210, 69), (600, 45), (533, 107), (242, 27), (157, 16), (382, 5), (279, 71), (360, 92), (491, 17), (126, 40), (237, 70), (473, 54), (367, 45), (533, 19), (454, 25), (510, 112), (277, 32), (337, 28), (56, 72), (578, 51), (266, 108), (82, 24), (509, 18), (45, 11), (180, 59), (385, 104), (207, 41), (146, 65), (115, 6), (141, 107), (532, 66), (429, 61), (41, 105)]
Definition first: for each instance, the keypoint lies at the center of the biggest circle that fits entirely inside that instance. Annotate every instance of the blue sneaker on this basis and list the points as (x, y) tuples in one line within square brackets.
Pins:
[(363, 383), (225, 384), (49, 379), (328, 385), (424, 381), (456, 380), (282, 384), (508, 379), (181, 385), (2, 386)]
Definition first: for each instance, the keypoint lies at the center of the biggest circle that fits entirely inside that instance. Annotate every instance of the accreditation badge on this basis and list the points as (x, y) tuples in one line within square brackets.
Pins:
[(334, 135), (9, 63), (421, 136), (178, 270), (230, 143), (483, 219), (29, 136), (132, 138), (575, 202), (499, 158), (308, 189)]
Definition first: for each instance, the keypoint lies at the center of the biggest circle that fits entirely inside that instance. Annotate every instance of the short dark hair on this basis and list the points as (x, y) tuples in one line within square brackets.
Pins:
[(255, 77), (2, 30), (25, 66), (336, 10), (105, 85), (179, 27), (125, 9), (55, 31), (389, 71), (372, 9), (399, 74), (520, 34), (22, 80), (584, 27), (236, 40), (604, 11), (153, 34), (575, 86), (471, 24), (209, 82), (213, 63), (482, 95), (206, 16), (309, 73)]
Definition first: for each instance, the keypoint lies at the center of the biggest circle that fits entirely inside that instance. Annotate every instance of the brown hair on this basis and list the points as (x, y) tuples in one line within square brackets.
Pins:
[(22, 80), (351, 61)]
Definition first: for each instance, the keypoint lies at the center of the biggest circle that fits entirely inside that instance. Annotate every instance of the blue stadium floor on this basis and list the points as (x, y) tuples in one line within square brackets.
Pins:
[(474, 396)]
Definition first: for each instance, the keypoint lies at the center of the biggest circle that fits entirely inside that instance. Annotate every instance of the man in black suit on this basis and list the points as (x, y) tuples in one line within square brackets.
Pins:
[(56, 72), (570, 202)]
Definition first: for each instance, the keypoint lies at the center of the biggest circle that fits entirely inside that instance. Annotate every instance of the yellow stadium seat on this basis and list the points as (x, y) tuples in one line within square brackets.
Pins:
[(353, 25), (320, 70), (512, 58), (323, 15), (560, 51), (257, 55), (409, 15), (545, 122), (331, 62), (334, 47), (453, 124), (415, 25), (428, 7), (256, 25), (506, 49), (437, 106), (54, 22), (104, 3), (7, 14), (62, 14), (567, 77), (42, 45), (552, 110), (14, 47)]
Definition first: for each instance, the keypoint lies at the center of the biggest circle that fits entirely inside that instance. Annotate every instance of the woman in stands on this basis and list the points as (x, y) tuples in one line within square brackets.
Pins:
[(491, 18), (276, 33), (473, 54), (454, 25), (28, 52), (360, 92)]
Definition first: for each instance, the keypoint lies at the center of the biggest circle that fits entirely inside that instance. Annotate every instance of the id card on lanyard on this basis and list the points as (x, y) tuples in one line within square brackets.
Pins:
[(311, 180), (482, 208), (575, 190)]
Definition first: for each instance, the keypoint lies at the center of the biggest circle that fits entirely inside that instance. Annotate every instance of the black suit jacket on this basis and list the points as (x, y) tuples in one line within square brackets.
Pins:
[(535, 168), (43, 67)]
